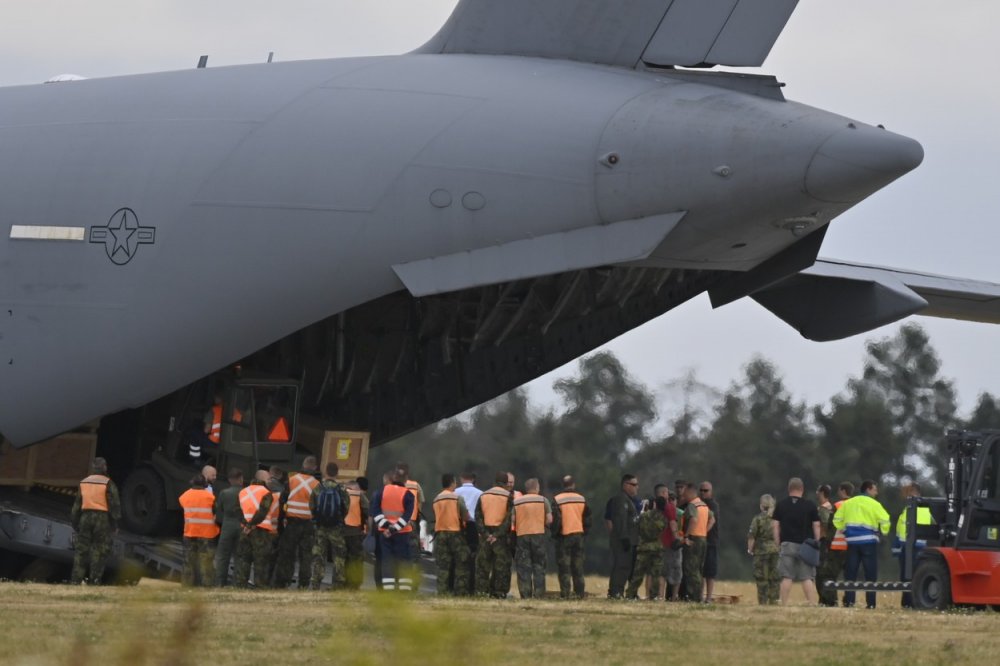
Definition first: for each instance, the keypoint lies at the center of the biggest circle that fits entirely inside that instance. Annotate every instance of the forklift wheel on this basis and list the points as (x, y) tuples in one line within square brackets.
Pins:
[(144, 502), (932, 585)]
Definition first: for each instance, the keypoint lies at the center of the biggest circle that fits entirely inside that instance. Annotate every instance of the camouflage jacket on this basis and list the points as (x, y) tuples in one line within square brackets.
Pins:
[(762, 534), (651, 526), (826, 527)]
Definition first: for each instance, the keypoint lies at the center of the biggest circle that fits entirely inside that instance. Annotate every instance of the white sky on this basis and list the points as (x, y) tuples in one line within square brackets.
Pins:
[(920, 67)]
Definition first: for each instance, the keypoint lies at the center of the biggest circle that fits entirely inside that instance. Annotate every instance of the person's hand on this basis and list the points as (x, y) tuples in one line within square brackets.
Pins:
[(626, 545)]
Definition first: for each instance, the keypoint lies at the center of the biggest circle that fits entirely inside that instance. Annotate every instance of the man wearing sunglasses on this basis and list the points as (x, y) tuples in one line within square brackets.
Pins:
[(710, 570), (623, 535)]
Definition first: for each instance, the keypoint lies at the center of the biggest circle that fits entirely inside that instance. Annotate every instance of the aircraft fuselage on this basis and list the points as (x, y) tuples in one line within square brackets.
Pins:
[(158, 227)]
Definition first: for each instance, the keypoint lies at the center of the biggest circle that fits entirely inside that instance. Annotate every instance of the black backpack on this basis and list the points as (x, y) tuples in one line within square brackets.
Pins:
[(329, 510)]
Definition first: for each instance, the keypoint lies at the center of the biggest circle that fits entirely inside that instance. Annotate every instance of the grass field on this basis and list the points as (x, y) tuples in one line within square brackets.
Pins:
[(161, 623)]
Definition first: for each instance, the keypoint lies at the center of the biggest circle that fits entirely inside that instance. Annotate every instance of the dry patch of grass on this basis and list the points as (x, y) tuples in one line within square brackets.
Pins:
[(45, 624)]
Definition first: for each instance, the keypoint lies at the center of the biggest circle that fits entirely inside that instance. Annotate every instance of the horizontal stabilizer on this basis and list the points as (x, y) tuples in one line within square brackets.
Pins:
[(601, 245), (834, 299), (738, 33)]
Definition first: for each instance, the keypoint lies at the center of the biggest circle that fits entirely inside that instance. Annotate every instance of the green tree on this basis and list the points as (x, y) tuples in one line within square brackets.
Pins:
[(890, 423), (985, 415)]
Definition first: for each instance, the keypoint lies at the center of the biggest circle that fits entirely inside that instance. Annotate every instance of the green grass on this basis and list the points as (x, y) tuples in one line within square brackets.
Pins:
[(162, 624)]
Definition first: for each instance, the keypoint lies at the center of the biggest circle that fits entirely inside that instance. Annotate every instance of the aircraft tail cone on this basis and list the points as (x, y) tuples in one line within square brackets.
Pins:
[(860, 160)]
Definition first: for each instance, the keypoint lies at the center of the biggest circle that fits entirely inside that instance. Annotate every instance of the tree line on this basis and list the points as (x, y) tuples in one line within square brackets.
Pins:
[(886, 424)]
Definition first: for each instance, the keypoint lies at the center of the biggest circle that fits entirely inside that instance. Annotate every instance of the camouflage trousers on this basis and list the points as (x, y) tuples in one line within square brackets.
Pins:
[(530, 561), (451, 552), (831, 567), (648, 562), (569, 562), (199, 562), (354, 560), (694, 561), (765, 573), (330, 544), (493, 567), (295, 545), (93, 546), (256, 551)]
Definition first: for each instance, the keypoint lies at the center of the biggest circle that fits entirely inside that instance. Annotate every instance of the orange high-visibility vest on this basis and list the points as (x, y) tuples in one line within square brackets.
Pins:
[(273, 512), (199, 522), (94, 493), (353, 517), (414, 487), (494, 503), (571, 506), (701, 526), (513, 518), (529, 513), (215, 434), (250, 499), (447, 517), (301, 487), (279, 432), (839, 541), (392, 505)]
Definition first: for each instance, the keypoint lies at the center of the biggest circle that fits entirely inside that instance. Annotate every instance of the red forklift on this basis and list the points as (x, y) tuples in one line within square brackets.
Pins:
[(960, 563)]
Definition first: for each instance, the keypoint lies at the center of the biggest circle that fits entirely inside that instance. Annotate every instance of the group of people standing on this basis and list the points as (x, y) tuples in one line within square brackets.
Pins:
[(669, 541), (266, 528), (811, 543), (480, 536)]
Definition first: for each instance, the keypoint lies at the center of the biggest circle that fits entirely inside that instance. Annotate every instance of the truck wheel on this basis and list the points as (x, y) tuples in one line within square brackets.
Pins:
[(144, 502), (932, 586)]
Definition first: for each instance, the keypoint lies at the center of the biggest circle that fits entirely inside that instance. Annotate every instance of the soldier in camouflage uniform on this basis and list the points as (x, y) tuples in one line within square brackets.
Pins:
[(94, 516), (532, 515), (570, 525), (493, 518), (297, 530), (760, 544), (329, 539), (256, 546), (451, 550), (695, 542), (355, 525), (829, 567), (649, 554)]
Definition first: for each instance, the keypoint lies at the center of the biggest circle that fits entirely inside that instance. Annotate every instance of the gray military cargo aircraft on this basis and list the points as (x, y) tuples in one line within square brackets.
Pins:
[(409, 236)]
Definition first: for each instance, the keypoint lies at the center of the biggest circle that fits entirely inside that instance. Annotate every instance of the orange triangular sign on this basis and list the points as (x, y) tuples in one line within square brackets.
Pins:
[(279, 433)]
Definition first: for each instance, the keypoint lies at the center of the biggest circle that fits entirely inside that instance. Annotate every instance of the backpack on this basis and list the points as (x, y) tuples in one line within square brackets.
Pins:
[(329, 511)]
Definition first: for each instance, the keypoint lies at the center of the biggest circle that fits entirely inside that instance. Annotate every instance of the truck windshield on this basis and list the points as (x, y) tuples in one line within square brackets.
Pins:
[(265, 414)]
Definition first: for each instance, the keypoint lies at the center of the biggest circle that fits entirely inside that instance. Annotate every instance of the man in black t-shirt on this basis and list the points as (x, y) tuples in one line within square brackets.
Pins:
[(794, 520)]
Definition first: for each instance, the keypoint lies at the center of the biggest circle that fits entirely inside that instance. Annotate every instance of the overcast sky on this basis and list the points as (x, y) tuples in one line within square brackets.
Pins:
[(920, 67)]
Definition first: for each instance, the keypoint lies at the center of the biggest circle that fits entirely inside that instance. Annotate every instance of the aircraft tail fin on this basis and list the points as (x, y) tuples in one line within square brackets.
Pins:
[(624, 33)]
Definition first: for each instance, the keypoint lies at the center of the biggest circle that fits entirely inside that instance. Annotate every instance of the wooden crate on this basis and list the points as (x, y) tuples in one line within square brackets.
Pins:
[(349, 450), (61, 461)]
